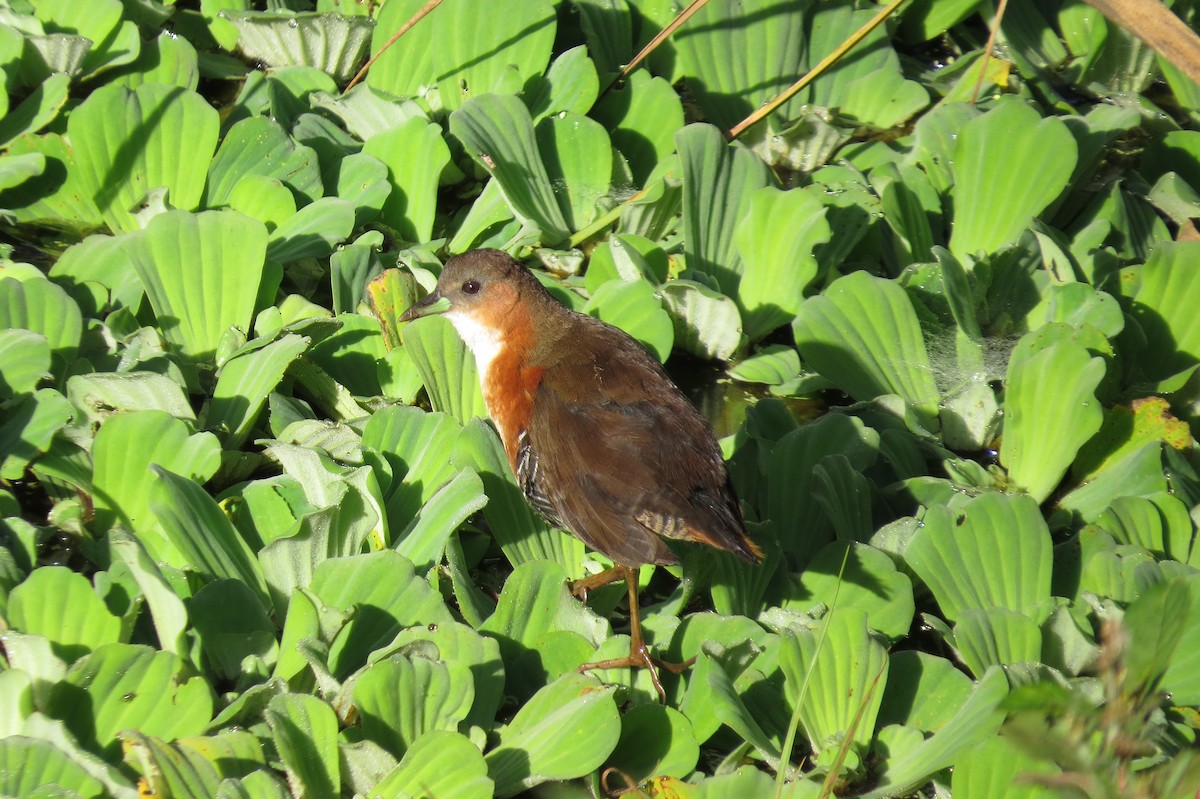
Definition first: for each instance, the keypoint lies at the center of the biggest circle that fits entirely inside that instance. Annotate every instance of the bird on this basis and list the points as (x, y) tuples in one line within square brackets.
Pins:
[(602, 443)]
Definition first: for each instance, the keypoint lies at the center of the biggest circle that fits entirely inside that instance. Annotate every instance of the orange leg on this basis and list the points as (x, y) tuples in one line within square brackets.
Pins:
[(639, 655)]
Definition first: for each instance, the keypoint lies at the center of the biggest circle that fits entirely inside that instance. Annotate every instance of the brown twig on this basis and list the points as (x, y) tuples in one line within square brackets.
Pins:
[(653, 44), (988, 49), (1157, 26), (815, 72), (417, 17)]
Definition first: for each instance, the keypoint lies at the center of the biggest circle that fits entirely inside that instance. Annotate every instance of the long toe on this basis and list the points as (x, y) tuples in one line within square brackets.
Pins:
[(581, 587), (636, 659), (674, 668), (640, 656)]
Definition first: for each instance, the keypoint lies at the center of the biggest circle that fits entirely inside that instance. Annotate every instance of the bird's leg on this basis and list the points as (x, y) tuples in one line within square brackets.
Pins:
[(639, 654), (580, 587)]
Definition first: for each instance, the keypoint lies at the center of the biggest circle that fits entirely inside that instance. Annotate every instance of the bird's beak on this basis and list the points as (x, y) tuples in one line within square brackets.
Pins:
[(433, 303)]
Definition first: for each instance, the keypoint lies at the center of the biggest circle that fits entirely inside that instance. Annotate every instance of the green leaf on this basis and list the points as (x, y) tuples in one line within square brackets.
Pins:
[(655, 741), (845, 670), (458, 643), (193, 768), (390, 293), (1079, 304), (1137, 472), (869, 582), (168, 59), (366, 112), (101, 260), (306, 616), (263, 198), (384, 582), (1179, 679), (339, 529), (415, 155), (17, 169), (401, 698), (927, 19), (1160, 524), (231, 623), (773, 365), (351, 354), (125, 447), (578, 158), (202, 274), (997, 554), (997, 767), (738, 56), (731, 710), (424, 542), (923, 691), (566, 730), (37, 110), (633, 307), (993, 202), (312, 232), (1046, 418), (707, 323), (128, 143), (976, 721), (30, 764), (442, 764), (16, 689), (333, 43), (503, 49), (1160, 308), (60, 605), (642, 116), (625, 257), (166, 608), (101, 394), (863, 335), (497, 131), (534, 610), (200, 531), (259, 147), (719, 180), (59, 196), (362, 181), (1107, 569), (793, 461), (57, 52), (996, 637), (305, 730), (883, 98), (120, 686), (845, 495), (42, 307), (244, 383), (775, 240), (24, 360), (407, 449), (446, 366), (1157, 622), (114, 41), (29, 430)]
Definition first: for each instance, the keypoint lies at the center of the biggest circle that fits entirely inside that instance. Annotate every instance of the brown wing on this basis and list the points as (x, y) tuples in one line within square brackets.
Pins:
[(654, 470)]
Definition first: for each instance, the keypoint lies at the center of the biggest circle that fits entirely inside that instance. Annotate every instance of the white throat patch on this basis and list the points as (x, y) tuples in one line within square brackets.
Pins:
[(485, 342)]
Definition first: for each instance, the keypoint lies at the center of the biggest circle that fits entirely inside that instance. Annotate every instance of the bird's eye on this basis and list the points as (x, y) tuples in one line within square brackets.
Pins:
[(471, 287)]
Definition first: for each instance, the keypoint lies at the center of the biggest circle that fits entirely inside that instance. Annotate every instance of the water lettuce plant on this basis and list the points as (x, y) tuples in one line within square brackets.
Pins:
[(257, 538)]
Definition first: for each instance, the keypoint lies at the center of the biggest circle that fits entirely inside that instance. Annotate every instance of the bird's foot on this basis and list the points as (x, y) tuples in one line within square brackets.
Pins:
[(580, 587), (639, 657)]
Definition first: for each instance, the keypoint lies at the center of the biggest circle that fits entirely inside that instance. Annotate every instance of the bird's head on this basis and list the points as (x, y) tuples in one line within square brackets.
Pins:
[(487, 296)]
